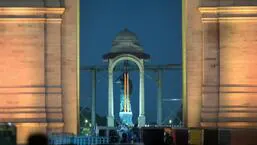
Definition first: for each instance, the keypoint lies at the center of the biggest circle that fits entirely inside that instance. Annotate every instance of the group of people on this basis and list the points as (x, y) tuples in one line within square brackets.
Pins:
[(124, 134), (131, 136), (169, 137), (38, 139)]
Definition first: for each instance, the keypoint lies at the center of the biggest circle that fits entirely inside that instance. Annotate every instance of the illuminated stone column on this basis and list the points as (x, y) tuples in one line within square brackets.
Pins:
[(110, 117), (70, 66), (53, 96), (192, 63), (141, 117), (211, 73)]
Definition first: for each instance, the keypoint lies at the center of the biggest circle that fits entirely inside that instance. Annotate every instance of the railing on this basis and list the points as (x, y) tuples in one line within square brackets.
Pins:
[(76, 140), (82, 140)]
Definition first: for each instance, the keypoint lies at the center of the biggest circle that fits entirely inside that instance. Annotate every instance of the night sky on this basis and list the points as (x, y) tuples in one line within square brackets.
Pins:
[(158, 26)]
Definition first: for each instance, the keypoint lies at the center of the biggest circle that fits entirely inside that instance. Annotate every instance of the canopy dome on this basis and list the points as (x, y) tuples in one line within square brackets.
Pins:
[(126, 42), (126, 35)]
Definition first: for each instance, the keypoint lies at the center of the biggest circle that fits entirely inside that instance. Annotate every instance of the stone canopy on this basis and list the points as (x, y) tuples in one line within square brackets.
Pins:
[(126, 42)]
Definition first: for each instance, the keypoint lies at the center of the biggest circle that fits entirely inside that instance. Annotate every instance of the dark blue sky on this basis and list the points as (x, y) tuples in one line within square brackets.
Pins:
[(157, 24)]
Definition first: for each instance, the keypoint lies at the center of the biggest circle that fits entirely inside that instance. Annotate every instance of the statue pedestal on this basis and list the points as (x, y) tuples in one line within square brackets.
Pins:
[(126, 118), (110, 121), (141, 120)]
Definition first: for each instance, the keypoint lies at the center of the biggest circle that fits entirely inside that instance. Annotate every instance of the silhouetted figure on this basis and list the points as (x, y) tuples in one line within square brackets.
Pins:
[(135, 131), (124, 138), (38, 139), (168, 140), (114, 137)]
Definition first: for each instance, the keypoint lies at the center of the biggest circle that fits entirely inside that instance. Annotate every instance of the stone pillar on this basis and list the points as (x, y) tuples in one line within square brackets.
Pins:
[(192, 63), (110, 117), (70, 66), (211, 71), (93, 97), (53, 75), (141, 117), (30, 87), (159, 98)]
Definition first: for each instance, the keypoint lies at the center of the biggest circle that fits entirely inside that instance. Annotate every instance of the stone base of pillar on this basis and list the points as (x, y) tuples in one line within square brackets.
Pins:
[(159, 122), (110, 121), (141, 121)]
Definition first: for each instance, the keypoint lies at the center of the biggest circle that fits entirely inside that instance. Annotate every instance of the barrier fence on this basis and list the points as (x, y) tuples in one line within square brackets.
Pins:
[(201, 136), (150, 136), (77, 140)]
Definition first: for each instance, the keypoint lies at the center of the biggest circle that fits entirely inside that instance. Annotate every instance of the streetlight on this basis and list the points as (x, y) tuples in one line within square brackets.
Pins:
[(170, 121)]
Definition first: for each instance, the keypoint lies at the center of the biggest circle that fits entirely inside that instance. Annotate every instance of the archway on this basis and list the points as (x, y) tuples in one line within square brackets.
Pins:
[(112, 63)]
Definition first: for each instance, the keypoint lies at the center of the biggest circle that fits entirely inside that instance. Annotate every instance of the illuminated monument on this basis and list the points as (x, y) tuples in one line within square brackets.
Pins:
[(39, 85), (125, 82), (126, 47), (38, 65)]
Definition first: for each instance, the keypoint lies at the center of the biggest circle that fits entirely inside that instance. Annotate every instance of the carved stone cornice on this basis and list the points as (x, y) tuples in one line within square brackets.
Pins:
[(31, 14), (229, 14)]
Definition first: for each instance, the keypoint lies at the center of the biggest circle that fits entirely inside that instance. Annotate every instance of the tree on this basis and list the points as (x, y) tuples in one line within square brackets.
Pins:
[(85, 120), (178, 118)]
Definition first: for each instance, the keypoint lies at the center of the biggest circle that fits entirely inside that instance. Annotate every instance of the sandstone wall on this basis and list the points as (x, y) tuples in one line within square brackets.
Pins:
[(70, 63), (220, 52), (38, 66)]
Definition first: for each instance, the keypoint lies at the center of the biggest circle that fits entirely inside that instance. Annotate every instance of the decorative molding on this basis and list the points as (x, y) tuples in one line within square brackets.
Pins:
[(230, 10), (229, 111), (24, 119), (229, 85), (229, 88), (18, 11), (49, 125), (28, 109), (228, 106), (239, 124), (229, 125), (229, 19), (55, 124), (230, 119), (31, 124), (30, 90), (229, 14), (30, 20)]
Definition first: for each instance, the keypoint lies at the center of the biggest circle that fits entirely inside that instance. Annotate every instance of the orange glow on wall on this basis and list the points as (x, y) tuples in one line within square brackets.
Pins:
[(30, 89), (232, 32), (229, 10), (17, 11)]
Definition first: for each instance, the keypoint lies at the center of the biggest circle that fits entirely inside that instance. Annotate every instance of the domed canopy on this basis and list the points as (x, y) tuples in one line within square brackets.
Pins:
[(126, 42)]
